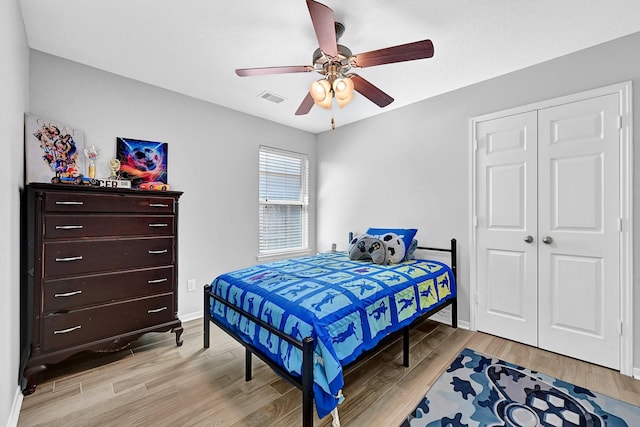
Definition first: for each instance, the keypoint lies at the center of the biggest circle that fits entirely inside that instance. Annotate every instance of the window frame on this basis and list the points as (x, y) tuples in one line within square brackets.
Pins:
[(266, 154)]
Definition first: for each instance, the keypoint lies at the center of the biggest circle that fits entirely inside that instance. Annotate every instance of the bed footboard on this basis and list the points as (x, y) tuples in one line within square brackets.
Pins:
[(304, 383)]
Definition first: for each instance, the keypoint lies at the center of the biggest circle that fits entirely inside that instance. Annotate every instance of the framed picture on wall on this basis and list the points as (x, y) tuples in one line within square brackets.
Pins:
[(51, 149), (142, 161)]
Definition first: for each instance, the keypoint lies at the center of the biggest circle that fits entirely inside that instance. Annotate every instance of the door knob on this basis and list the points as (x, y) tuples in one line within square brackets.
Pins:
[(528, 239), (547, 239)]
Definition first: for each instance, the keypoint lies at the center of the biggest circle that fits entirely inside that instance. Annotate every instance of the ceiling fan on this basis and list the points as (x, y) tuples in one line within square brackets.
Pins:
[(334, 62)]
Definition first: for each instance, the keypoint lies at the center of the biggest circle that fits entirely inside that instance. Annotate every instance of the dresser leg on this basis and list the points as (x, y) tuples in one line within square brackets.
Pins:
[(31, 375), (178, 331)]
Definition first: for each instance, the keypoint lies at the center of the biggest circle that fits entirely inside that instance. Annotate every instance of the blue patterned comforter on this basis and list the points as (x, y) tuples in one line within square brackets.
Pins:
[(346, 306)]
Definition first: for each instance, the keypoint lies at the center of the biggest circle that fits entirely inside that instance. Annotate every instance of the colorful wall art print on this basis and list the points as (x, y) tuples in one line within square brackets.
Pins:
[(51, 149), (142, 161)]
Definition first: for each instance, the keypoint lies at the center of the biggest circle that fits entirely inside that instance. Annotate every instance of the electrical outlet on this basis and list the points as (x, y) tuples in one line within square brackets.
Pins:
[(191, 285)]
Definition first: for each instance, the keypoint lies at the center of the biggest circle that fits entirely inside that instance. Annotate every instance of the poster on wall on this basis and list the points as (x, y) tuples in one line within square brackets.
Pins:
[(142, 162), (52, 149)]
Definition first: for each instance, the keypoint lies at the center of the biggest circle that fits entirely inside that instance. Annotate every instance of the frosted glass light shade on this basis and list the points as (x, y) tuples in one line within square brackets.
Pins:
[(343, 88), (321, 93)]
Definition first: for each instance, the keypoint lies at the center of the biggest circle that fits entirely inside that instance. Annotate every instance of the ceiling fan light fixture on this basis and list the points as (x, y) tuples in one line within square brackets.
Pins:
[(343, 88), (321, 93)]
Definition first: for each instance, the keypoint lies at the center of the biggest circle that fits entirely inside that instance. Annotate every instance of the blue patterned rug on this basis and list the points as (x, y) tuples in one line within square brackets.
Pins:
[(479, 390)]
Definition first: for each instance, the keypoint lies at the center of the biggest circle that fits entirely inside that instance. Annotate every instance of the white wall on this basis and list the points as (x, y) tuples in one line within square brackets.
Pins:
[(14, 69), (410, 167), (213, 157)]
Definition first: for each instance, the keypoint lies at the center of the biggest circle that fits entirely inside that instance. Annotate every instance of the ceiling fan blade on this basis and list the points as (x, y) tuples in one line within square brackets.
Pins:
[(370, 91), (306, 105), (404, 52), (324, 26), (244, 72)]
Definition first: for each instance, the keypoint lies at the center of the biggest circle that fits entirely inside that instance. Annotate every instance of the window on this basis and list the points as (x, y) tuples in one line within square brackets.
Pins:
[(283, 202)]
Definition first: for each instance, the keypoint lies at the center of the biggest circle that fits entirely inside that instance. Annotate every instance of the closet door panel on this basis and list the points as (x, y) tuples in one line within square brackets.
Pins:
[(506, 232), (577, 288), (578, 175)]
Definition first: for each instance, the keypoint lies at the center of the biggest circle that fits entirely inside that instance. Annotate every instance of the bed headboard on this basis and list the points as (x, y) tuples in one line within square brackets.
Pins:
[(453, 251)]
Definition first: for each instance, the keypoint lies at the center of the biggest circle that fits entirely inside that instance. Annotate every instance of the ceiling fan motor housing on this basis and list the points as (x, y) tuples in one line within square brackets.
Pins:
[(322, 63)]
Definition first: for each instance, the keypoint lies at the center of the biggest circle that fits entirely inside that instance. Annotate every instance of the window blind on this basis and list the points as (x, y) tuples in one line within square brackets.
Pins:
[(283, 201)]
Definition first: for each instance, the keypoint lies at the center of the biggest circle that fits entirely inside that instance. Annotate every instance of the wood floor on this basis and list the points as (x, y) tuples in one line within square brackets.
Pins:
[(155, 383)]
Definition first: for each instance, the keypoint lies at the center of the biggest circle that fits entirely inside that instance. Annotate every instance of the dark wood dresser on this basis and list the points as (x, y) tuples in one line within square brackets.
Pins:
[(102, 269)]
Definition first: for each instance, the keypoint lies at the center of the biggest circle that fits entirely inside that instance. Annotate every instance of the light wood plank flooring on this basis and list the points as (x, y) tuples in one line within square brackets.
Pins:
[(155, 383)]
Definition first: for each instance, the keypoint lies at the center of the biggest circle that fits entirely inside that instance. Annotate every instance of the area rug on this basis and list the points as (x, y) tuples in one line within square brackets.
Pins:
[(478, 390)]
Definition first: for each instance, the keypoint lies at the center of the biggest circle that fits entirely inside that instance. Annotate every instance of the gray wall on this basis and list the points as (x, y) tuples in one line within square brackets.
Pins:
[(213, 157), (410, 167), (14, 69)]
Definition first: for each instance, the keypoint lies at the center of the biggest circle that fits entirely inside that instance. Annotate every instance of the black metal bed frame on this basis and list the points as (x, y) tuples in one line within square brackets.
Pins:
[(305, 381)]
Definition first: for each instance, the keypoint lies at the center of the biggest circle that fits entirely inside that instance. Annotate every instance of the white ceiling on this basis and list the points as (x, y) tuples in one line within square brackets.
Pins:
[(193, 46)]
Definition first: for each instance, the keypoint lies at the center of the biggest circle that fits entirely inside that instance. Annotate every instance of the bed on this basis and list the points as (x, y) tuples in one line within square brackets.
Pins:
[(309, 317)]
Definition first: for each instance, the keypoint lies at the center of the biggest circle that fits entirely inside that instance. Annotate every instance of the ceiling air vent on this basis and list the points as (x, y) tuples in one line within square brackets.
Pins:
[(270, 96)]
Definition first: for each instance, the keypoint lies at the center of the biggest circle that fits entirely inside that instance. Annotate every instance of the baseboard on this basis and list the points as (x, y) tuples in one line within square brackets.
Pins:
[(15, 409), (190, 316), (636, 373), (444, 316)]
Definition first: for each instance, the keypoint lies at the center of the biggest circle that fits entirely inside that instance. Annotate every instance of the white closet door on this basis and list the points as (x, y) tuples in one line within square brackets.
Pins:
[(506, 230), (578, 180)]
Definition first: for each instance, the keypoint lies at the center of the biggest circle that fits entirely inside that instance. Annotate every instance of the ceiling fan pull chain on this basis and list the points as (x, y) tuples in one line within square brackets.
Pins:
[(333, 123)]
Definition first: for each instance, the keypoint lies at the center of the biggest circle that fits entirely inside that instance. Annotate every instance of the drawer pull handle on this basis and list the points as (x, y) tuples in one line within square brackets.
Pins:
[(71, 258), (69, 203), (68, 227), (67, 294), (157, 310), (66, 331), (158, 205), (164, 279), (158, 225), (163, 251)]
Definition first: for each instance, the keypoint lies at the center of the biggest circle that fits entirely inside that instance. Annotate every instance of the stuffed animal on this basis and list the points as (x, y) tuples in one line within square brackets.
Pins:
[(395, 247), (365, 247)]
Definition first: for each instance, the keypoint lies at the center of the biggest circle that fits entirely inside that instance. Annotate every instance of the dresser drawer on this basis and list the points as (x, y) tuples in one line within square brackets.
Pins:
[(82, 326), (66, 258), (83, 291), (78, 201), (80, 226)]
